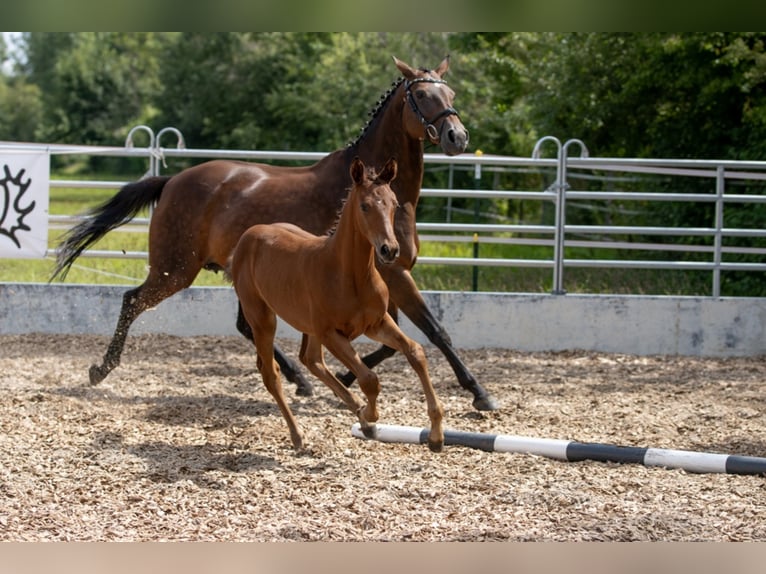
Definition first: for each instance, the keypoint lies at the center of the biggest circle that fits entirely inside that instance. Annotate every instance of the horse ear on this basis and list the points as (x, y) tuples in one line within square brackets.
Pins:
[(443, 67), (388, 173), (357, 170), (406, 70)]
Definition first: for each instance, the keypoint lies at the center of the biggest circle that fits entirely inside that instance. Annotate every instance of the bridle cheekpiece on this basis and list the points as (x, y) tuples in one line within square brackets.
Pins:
[(431, 130)]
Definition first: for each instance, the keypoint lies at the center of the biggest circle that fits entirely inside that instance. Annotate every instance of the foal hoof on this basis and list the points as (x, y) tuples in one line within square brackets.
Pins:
[(96, 374), (435, 446), (485, 403), (370, 431)]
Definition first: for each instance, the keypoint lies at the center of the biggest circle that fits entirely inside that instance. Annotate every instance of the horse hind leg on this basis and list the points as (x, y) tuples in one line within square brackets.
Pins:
[(289, 368), (134, 302)]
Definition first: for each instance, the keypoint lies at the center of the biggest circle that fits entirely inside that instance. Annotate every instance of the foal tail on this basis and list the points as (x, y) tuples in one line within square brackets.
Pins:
[(120, 209)]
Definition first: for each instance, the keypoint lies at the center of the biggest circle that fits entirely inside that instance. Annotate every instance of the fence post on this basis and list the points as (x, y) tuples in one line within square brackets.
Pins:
[(720, 184), (476, 217), (558, 190), (157, 153)]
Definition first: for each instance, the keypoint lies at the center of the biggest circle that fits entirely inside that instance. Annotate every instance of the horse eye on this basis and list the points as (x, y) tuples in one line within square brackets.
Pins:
[(365, 207), (420, 94)]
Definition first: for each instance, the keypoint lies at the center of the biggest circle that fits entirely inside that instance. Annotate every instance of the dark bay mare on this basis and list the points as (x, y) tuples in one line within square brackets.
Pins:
[(329, 289), (202, 211)]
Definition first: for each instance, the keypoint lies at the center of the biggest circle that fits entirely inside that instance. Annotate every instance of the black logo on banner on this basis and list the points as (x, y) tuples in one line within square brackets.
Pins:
[(12, 210)]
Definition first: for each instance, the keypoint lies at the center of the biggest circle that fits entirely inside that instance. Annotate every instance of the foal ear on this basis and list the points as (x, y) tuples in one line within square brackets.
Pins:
[(443, 67), (407, 71), (388, 173), (357, 170)]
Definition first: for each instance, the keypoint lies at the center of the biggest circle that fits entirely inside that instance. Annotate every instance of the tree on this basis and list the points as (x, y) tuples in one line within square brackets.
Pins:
[(692, 95), (94, 85)]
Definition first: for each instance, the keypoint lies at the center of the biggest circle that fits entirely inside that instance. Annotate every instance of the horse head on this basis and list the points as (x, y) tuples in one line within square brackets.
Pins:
[(430, 113), (375, 204)]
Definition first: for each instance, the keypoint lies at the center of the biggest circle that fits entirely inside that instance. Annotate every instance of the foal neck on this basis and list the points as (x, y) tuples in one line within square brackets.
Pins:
[(351, 248)]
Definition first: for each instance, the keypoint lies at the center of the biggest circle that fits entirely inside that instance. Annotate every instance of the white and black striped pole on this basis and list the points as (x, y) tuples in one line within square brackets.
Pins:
[(571, 451)]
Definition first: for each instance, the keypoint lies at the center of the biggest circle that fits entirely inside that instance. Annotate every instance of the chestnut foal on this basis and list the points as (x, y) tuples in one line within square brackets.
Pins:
[(328, 288)]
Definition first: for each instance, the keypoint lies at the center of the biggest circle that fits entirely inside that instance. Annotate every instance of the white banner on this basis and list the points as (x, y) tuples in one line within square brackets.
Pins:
[(24, 185)]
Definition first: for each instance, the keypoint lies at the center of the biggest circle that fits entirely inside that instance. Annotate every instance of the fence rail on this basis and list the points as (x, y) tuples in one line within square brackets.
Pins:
[(559, 194)]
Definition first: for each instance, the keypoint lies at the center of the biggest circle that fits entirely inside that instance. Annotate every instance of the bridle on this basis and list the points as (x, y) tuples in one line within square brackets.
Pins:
[(431, 131)]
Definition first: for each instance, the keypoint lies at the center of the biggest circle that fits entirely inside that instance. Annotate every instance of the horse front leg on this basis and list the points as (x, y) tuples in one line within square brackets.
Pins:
[(289, 368), (407, 297)]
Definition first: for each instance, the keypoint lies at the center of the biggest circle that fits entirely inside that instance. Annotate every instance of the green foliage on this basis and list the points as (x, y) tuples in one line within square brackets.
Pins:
[(94, 85)]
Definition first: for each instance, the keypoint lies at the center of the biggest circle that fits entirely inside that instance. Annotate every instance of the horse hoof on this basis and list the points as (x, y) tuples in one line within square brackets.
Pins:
[(485, 403), (96, 374), (304, 389)]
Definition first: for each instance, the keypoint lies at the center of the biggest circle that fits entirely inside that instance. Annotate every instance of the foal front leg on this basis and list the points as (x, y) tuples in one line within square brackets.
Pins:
[(404, 292), (390, 334)]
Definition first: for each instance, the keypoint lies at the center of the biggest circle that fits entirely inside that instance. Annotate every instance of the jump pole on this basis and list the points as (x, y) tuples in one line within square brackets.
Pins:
[(571, 451)]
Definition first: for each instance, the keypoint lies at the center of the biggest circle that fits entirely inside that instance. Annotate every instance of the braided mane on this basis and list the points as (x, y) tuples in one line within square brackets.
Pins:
[(379, 106)]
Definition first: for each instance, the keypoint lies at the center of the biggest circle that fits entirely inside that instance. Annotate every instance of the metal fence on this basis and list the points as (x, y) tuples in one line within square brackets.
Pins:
[(712, 247)]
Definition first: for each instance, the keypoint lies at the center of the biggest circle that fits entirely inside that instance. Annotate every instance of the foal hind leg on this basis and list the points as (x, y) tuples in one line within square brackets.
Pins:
[(290, 370), (389, 334), (312, 357), (265, 326), (134, 302)]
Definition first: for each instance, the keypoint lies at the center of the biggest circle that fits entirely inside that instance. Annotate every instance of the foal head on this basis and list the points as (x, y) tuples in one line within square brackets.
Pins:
[(373, 204)]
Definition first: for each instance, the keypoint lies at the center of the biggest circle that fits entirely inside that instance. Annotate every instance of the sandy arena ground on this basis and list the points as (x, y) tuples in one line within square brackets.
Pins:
[(182, 442)]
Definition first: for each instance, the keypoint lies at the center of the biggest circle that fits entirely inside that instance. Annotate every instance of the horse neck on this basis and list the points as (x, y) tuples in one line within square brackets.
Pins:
[(352, 250), (385, 137)]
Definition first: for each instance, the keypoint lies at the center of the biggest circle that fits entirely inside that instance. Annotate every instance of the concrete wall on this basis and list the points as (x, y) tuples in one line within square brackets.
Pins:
[(642, 325)]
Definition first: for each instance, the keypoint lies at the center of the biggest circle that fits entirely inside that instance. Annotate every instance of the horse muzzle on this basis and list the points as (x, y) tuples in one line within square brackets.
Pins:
[(452, 138)]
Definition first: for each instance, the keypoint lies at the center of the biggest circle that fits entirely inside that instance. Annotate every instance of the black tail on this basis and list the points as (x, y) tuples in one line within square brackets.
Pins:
[(120, 209)]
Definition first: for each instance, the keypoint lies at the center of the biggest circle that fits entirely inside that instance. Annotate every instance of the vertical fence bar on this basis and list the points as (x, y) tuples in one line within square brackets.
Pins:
[(476, 217), (560, 221), (558, 241), (152, 145), (561, 213), (450, 185), (720, 186), (157, 152)]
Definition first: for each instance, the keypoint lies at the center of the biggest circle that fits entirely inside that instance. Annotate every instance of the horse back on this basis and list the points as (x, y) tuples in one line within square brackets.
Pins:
[(220, 199)]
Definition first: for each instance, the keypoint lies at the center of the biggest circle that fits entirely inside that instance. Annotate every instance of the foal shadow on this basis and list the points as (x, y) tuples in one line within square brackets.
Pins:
[(168, 463)]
